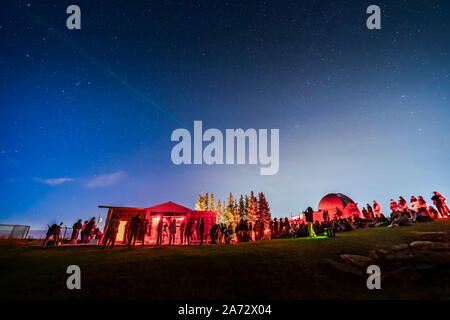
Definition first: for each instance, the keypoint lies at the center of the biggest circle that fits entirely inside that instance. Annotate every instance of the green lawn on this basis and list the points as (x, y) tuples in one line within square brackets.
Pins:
[(277, 269)]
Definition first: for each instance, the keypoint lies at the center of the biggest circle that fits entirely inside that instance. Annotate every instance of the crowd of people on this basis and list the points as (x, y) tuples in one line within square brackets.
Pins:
[(81, 232), (243, 231)]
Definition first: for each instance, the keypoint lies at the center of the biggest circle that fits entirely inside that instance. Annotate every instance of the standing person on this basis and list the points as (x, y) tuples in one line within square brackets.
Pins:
[(212, 233), (87, 231), (53, 232), (275, 227), (76, 229), (159, 230), (172, 231), (111, 231), (338, 212), (377, 209), (135, 226), (82, 231), (182, 227), (188, 231), (437, 200), (325, 215), (201, 230), (286, 224)]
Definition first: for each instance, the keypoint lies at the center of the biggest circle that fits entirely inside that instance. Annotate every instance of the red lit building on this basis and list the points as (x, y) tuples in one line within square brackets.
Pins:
[(151, 216)]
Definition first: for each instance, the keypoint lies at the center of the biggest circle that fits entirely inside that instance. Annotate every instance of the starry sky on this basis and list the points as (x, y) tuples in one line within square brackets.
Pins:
[(86, 115)]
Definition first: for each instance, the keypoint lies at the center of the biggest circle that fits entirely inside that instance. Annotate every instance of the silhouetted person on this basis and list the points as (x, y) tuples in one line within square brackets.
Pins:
[(338, 212), (172, 231), (325, 215), (438, 201), (182, 227), (403, 205), (87, 231), (377, 209), (212, 234), (159, 230), (201, 230), (275, 227), (370, 211), (135, 226), (188, 231), (111, 231), (309, 215), (53, 232), (394, 206), (76, 229)]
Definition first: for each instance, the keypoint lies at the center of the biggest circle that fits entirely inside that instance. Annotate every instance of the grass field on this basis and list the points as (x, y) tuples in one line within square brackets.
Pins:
[(277, 269)]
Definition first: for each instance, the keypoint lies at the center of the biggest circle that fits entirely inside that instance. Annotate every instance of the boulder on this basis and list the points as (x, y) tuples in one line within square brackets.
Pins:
[(346, 268), (403, 274), (430, 236), (438, 258), (430, 245), (357, 260), (400, 247)]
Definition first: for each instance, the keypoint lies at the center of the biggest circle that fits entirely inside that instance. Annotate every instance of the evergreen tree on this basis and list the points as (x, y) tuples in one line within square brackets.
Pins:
[(228, 216), (264, 209), (236, 214), (246, 203), (241, 208), (206, 201), (219, 210), (253, 208), (200, 205)]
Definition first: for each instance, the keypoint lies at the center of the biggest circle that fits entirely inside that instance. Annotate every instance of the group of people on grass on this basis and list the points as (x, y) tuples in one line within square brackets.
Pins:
[(277, 228)]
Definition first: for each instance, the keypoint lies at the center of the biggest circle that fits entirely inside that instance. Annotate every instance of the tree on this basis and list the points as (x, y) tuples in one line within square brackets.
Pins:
[(206, 200), (241, 208), (246, 203), (253, 208), (219, 210), (201, 204), (227, 216), (264, 209), (212, 203)]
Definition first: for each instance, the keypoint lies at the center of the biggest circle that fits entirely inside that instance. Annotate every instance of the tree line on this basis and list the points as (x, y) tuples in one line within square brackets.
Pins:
[(248, 207)]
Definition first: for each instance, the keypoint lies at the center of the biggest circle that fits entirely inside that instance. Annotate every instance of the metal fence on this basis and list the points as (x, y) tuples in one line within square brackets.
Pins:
[(11, 231)]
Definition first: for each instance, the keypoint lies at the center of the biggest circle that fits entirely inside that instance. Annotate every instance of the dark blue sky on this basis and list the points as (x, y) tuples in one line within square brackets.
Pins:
[(86, 115)]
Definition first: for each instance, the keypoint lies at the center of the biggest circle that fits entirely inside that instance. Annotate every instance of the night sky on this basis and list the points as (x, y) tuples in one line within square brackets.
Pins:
[(86, 115)]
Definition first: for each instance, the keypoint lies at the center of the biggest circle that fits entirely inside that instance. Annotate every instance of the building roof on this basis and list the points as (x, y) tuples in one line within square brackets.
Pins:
[(169, 207)]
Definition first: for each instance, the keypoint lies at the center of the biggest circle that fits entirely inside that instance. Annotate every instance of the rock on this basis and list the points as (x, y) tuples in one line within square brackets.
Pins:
[(346, 268), (399, 247), (358, 261), (400, 256), (430, 236), (405, 274), (438, 258), (430, 245), (378, 255)]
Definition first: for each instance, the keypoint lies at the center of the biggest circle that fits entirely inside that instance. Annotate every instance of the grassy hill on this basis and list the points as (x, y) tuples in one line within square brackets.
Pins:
[(277, 269)]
